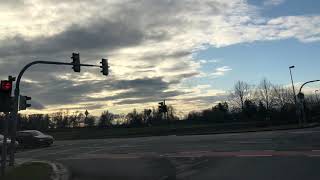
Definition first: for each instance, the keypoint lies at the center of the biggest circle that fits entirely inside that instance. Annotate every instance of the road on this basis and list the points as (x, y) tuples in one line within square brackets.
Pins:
[(276, 155)]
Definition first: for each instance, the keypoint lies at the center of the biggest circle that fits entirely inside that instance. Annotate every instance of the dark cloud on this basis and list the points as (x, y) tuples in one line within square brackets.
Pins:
[(209, 99), (151, 97), (98, 35), (56, 91)]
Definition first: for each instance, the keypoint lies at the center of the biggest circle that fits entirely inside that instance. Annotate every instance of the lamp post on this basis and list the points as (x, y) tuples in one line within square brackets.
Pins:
[(294, 92)]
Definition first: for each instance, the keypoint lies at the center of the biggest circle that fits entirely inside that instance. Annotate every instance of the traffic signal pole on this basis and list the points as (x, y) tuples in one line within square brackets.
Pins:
[(4, 144), (303, 120), (14, 113)]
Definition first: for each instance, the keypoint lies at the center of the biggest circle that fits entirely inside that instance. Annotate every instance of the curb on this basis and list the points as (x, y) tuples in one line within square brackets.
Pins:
[(60, 172)]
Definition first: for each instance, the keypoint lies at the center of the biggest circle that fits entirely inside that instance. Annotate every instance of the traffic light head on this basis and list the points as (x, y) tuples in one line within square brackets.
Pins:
[(23, 102), (6, 86), (5, 96), (105, 67), (76, 62), (162, 107)]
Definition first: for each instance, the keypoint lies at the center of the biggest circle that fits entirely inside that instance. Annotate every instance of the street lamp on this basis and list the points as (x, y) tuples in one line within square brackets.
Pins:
[(294, 92)]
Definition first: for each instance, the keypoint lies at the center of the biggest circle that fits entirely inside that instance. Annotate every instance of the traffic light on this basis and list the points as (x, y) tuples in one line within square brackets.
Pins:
[(105, 67), (76, 62), (5, 96), (162, 107), (23, 102)]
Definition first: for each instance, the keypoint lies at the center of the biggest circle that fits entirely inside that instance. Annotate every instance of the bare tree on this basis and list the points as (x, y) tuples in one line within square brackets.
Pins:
[(264, 93), (282, 96), (146, 116), (106, 119), (172, 113), (241, 93), (135, 118)]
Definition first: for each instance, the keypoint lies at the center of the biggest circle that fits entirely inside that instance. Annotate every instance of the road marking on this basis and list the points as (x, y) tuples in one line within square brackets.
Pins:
[(314, 155), (254, 155)]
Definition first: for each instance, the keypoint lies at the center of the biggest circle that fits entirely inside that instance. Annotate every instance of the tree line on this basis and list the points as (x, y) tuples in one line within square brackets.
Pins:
[(265, 102), (65, 119)]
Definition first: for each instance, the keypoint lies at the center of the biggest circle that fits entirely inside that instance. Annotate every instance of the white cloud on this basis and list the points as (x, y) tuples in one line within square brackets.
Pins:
[(273, 2), (220, 71)]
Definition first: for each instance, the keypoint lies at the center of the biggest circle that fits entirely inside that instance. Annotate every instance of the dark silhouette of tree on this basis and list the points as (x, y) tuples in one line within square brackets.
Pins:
[(250, 109), (262, 111), (157, 117), (134, 118), (58, 120), (194, 116), (105, 119), (90, 121), (172, 114), (75, 119), (147, 116)]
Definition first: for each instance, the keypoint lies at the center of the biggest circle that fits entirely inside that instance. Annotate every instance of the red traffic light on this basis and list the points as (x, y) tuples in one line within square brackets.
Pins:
[(6, 85)]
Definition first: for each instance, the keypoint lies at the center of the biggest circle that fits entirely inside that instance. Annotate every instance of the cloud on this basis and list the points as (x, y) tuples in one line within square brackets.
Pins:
[(220, 71), (150, 45), (273, 2), (106, 34), (36, 105)]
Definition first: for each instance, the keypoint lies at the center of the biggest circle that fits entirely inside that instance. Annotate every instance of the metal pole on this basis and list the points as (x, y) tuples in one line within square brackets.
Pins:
[(16, 102), (294, 96), (293, 89), (303, 106), (4, 145)]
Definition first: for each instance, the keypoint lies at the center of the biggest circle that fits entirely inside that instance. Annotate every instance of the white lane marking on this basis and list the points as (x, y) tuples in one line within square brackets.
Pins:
[(315, 155), (93, 147), (254, 155)]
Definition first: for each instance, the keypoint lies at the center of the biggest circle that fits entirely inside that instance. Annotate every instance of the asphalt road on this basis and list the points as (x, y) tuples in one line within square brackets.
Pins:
[(276, 155)]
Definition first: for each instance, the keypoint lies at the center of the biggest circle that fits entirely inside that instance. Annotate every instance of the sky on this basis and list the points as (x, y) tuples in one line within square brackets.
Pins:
[(188, 52)]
